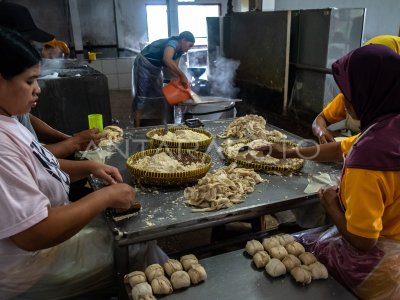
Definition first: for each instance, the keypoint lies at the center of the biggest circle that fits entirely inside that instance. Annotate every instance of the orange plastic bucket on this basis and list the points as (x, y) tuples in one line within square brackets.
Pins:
[(175, 93)]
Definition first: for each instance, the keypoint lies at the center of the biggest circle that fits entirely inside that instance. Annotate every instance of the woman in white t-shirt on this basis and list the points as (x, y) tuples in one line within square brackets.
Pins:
[(44, 239)]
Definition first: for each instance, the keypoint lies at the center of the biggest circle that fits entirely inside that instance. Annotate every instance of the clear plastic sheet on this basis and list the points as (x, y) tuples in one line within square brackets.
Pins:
[(314, 215), (374, 274), (82, 264), (85, 264), (144, 254)]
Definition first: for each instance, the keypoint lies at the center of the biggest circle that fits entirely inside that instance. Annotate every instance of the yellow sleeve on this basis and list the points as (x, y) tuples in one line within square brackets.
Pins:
[(57, 43), (335, 111), (346, 144), (362, 194), (391, 41), (63, 46)]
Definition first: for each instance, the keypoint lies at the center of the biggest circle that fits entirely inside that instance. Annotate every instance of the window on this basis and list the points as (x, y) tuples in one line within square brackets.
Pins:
[(157, 22), (190, 17), (193, 18)]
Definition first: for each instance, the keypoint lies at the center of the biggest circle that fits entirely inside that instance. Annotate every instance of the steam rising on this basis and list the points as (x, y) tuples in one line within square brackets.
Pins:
[(222, 77), (197, 58), (135, 44), (51, 64)]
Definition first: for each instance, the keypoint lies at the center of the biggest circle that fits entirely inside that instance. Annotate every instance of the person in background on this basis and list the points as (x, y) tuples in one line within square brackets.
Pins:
[(335, 112), (47, 248), (148, 79), (18, 18), (55, 49), (362, 249)]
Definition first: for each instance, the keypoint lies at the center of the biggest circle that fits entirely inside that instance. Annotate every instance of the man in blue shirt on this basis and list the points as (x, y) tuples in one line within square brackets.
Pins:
[(149, 101)]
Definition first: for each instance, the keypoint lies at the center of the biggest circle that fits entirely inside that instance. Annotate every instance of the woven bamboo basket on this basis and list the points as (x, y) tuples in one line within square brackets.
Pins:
[(158, 143), (265, 167), (185, 156)]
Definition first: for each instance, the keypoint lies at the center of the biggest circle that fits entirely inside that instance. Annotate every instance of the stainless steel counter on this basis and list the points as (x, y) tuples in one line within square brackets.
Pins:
[(233, 276), (163, 210)]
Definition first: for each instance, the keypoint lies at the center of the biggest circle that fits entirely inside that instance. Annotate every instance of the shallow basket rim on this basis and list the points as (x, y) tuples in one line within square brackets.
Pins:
[(172, 178), (262, 166), (202, 145)]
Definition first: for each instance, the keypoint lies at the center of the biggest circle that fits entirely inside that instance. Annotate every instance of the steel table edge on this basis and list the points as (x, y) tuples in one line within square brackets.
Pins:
[(128, 239)]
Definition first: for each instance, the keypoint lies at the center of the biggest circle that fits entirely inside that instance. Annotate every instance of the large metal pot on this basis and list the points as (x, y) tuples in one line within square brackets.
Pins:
[(206, 111)]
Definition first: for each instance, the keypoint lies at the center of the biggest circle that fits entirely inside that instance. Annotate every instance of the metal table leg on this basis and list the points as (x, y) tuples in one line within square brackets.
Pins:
[(121, 259)]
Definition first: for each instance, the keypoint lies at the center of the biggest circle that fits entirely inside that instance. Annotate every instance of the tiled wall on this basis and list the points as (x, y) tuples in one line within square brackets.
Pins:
[(117, 70)]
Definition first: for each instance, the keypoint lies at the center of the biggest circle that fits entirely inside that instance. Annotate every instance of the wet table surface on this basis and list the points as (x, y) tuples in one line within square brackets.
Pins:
[(164, 212)]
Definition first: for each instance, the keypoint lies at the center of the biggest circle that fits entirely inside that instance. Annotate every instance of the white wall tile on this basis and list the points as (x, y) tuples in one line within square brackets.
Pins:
[(112, 82), (125, 81), (124, 65), (109, 66), (96, 64)]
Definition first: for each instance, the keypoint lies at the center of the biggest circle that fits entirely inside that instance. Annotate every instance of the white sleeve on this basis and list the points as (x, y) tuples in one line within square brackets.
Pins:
[(22, 203)]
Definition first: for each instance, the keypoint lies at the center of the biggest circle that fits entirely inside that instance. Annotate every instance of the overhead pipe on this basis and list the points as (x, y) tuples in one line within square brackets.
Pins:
[(115, 25), (229, 10)]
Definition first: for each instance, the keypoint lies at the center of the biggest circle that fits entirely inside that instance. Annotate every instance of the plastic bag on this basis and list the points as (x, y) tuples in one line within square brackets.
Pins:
[(85, 264), (314, 215), (144, 254), (373, 274), (311, 216)]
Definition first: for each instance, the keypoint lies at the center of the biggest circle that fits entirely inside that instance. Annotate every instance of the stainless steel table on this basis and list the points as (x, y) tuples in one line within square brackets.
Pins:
[(233, 276), (163, 210)]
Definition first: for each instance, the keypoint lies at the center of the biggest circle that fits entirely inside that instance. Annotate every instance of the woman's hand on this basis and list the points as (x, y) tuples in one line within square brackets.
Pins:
[(184, 81), (329, 199), (120, 195), (83, 139), (320, 130), (108, 173), (325, 136), (273, 150)]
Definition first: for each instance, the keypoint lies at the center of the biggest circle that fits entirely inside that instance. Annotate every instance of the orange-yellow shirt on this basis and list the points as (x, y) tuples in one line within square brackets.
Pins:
[(62, 45), (346, 144), (335, 111), (372, 202)]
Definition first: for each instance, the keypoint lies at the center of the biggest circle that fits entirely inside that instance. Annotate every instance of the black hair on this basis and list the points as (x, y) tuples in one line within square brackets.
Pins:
[(16, 54), (187, 35)]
